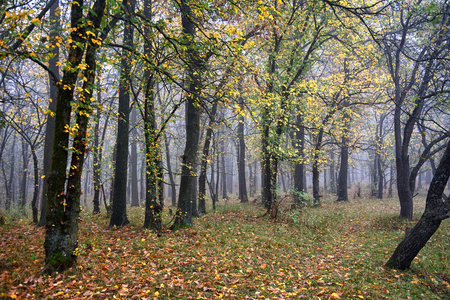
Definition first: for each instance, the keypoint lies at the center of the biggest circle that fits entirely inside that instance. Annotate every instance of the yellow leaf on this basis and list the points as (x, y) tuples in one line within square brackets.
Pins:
[(335, 296), (156, 294)]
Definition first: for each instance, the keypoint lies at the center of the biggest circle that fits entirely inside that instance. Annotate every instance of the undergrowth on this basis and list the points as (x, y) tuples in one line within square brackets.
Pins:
[(335, 250)]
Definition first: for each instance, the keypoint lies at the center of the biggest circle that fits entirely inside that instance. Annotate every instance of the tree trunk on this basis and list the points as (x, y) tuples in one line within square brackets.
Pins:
[(119, 203), (50, 124), (241, 155), (204, 161), (224, 172), (391, 179), (173, 189), (61, 238), (315, 180), (188, 184), (23, 181), (154, 173), (96, 163), (333, 189), (316, 167), (34, 206), (436, 210), (299, 145), (134, 162), (343, 171)]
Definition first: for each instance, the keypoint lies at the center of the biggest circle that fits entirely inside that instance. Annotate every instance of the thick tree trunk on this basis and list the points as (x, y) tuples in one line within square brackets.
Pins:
[(119, 203), (154, 174), (61, 238), (188, 184), (436, 210), (50, 124)]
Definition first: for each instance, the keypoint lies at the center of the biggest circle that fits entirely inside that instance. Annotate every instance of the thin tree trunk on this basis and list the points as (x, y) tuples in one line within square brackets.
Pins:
[(241, 155), (23, 184), (173, 189), (204, 161), (224, 173), (134, 162)]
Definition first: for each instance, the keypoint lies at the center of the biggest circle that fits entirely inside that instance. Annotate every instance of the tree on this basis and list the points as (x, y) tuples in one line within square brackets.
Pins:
[(61, 238), (194, 69), (53, 78), (416, 66), (119, 202), (436, 210)]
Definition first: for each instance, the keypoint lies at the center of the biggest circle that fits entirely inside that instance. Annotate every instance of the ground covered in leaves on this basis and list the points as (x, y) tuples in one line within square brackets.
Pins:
[(335, 251)]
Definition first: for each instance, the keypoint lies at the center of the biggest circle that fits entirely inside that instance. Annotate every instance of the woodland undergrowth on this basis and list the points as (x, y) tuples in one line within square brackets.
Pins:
[(334, 251)]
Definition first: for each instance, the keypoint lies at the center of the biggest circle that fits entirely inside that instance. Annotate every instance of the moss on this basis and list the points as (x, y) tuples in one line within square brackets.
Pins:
[(57, 258)]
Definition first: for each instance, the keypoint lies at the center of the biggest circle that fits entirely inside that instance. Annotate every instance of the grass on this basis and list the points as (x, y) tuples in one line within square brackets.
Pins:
[(337, 250)]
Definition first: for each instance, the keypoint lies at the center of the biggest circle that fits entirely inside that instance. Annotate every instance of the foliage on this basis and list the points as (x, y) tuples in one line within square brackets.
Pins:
[(333, 251)]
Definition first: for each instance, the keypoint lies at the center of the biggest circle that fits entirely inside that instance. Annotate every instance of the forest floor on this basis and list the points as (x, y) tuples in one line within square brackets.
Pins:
[(334, 251)]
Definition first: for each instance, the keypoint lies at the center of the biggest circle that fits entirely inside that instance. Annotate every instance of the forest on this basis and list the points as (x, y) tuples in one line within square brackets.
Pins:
[(219, 149)]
